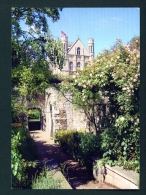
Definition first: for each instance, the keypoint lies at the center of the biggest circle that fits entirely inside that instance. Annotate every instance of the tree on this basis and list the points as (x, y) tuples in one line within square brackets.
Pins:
[(34, 52), (32, 16)]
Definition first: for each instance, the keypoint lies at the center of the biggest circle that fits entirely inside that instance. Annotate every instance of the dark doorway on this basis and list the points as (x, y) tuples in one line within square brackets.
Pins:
[(34, 125), (34, 119)]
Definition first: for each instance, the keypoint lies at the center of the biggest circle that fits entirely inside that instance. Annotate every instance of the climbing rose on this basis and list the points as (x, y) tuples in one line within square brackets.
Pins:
[(88, 82), (122, 118), (138, 56)]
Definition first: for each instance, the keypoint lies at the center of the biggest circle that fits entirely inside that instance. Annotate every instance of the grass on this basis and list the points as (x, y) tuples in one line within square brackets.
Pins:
[(46, 181)]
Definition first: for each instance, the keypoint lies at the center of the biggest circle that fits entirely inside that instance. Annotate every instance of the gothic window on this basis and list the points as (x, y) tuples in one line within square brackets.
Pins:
[(70, 66), (78, 64), (78, 51)]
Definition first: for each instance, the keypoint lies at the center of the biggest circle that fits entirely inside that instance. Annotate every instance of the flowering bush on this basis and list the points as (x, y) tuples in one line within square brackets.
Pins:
[(114, 76)]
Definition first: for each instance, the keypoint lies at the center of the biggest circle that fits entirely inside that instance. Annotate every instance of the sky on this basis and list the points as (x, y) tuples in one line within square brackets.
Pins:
[(104, 25)]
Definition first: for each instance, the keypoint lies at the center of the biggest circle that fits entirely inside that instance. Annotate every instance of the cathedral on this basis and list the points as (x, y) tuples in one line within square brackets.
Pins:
[(76, 55)]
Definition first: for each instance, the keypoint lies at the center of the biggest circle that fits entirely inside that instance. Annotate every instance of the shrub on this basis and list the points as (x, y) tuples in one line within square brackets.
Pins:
[(34, 114), (89, 146), (22, 154), (79, 144)]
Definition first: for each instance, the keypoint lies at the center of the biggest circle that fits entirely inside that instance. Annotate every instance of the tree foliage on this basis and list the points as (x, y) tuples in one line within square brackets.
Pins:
[(32, 16), (34, 51)]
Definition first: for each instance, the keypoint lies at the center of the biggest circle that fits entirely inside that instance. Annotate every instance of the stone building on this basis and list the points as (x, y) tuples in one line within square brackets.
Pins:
[(59, 112), (76, 54)]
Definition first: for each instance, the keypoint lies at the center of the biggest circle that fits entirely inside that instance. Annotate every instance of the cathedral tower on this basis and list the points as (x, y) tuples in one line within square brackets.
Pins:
[(64, 40), (91, 47)]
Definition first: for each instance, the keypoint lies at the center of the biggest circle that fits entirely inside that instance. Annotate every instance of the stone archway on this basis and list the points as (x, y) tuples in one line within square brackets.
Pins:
[(39, 105)]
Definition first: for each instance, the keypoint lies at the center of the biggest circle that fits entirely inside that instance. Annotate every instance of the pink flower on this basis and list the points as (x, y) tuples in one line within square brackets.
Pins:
[(138, 56), (124, 88), (134, 80), (88, 82), (127, 60), (135, 50), (79, 84)]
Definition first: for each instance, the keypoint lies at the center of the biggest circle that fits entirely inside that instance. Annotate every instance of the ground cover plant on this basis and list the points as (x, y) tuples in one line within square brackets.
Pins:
[(114, 76)]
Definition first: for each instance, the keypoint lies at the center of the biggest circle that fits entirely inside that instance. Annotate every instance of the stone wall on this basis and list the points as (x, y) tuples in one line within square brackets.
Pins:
[(60, 113)]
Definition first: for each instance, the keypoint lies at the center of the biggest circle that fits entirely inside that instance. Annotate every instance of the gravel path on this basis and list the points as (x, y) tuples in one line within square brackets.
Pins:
[(78, 176)]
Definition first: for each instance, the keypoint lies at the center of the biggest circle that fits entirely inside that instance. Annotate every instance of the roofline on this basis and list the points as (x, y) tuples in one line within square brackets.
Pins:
[(75, 43)]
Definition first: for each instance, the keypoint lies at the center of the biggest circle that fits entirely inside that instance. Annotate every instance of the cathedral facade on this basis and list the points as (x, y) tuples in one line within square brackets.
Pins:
[(76, 55)]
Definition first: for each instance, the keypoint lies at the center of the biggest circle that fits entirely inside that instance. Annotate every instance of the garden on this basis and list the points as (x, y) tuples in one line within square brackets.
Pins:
[(112, 79), (113, 75)]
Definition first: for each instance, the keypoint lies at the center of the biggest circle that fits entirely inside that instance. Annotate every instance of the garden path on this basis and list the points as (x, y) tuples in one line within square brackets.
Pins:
[(78, 176)]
